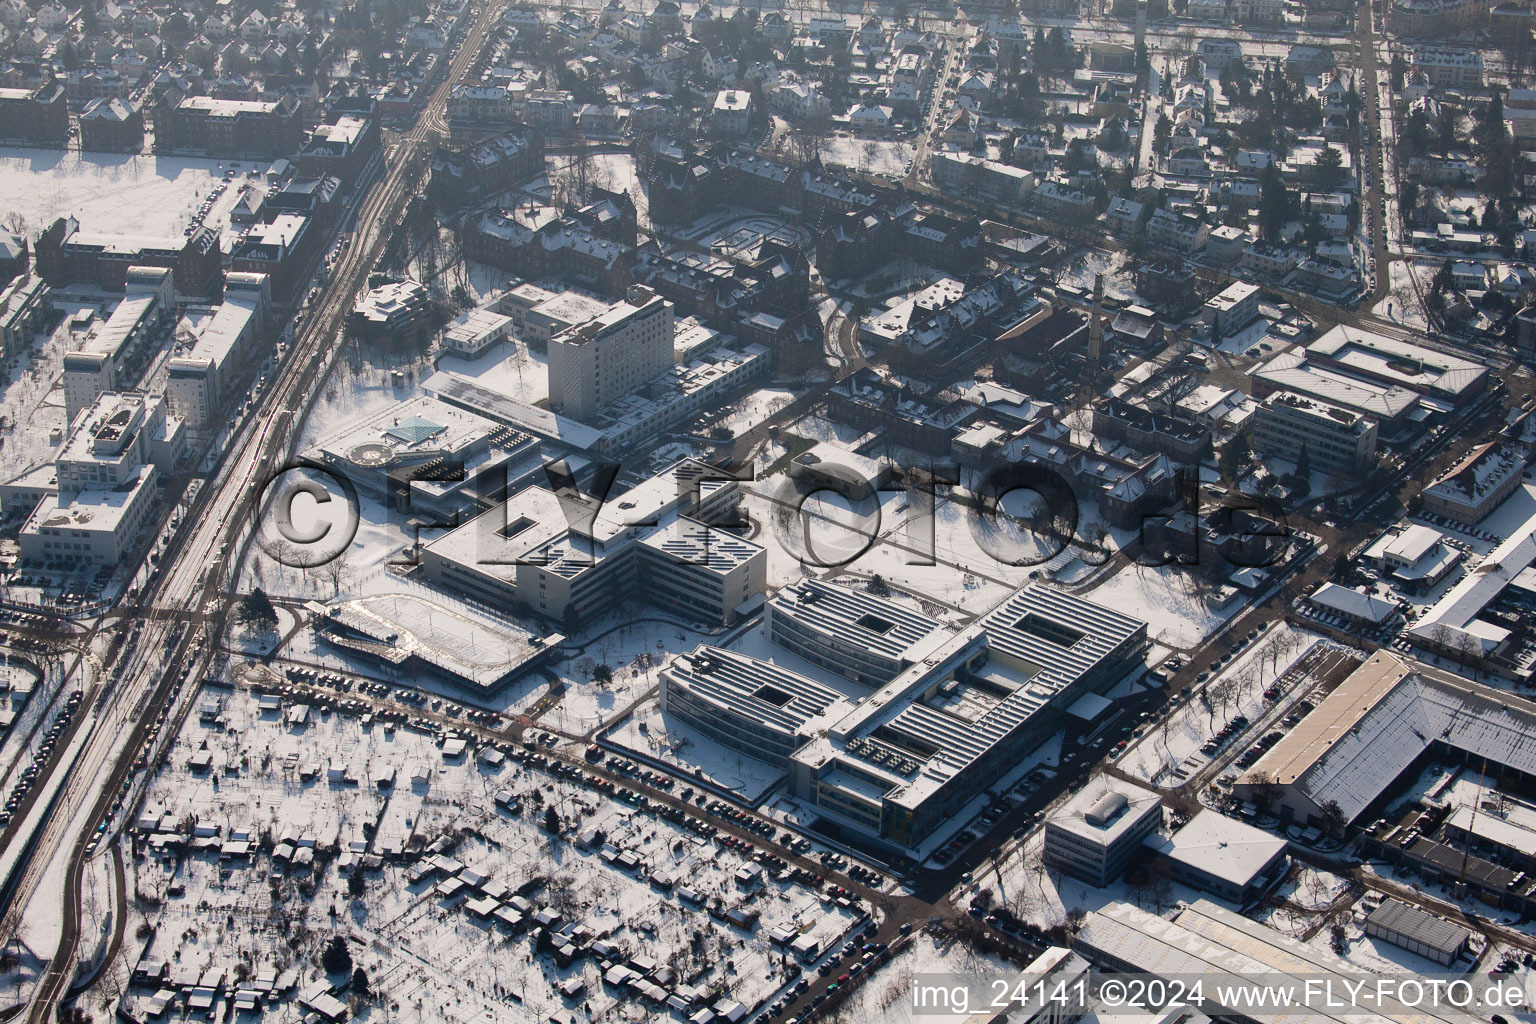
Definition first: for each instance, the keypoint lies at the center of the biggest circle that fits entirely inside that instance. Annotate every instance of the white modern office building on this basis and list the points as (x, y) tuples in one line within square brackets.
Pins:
[(918, 748), (563, 555), (600, 361), (853, 633), (200, 378), (104, 481), (748, 704), (1096, 835), (92, 363)]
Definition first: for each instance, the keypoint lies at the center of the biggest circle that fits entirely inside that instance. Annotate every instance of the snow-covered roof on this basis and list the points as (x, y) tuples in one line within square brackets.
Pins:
[(1216, 845)]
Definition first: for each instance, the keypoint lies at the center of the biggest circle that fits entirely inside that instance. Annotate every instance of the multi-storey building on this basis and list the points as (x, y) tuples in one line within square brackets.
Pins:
[(462, 177), (1450, 69), (105, 485), (93, 365), (283, 250), (340, 149), (264, 129), (200, 379), (25, 303), (1233, 308), (1477, 484), (1438, 18), (1334, 438), (609, 356), (1184, 232), (564, 556), (1097, 834), (66, 255), (112, 126), (36, 115), (862, 637)]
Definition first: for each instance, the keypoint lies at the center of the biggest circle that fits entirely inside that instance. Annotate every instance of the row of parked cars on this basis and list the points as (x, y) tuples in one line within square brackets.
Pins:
[(32, 772)]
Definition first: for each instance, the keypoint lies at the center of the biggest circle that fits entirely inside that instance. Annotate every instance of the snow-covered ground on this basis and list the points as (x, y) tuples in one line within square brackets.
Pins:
[(612, 171), (870, 156), (1402, 301), (1080, 270), (31, 398), (634, 642), (1237, 690), (887, 542), (754, 408), (511, 368), (431, 959), (112, 193), (1173, 601), (1239, 342), (1022, 883), (887, 997)]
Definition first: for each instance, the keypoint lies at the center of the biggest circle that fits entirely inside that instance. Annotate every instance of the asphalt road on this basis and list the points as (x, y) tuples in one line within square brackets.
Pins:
[(148, 700)]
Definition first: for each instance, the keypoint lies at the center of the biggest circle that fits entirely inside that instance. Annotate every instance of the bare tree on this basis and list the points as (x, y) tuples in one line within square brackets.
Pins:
[(336, 570)]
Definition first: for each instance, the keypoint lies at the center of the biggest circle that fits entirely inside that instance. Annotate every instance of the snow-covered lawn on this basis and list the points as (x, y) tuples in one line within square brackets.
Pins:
[(110, 192), (754, 408), (887, 997), (1239, 342), (871, 156), (1080, 270), (510, 367), (667, 738), (1172, 600), (635, 647)]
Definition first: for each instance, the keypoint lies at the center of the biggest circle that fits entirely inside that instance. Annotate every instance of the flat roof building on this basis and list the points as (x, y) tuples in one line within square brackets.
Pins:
[(199, 379), (1205, 940), (1233, 308), (748, 704), (592, 365), (1429, 372), (425, 454), (1335, 439), (1417, 931), (92, 365), (1390, 405), (851, 632), (946, 728), (105, 481), (470, 334), (1224, 857), (564, 555), (1458, 625), (1096, 834)]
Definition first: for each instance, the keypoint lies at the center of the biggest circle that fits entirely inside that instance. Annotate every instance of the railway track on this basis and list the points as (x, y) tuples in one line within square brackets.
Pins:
[(188, 605)]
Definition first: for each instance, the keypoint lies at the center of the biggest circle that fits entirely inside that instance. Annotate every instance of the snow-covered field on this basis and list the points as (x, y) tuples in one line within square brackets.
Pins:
[(511, 368), (1170, 598), (871, 156), (754, 408), (109, 192)]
